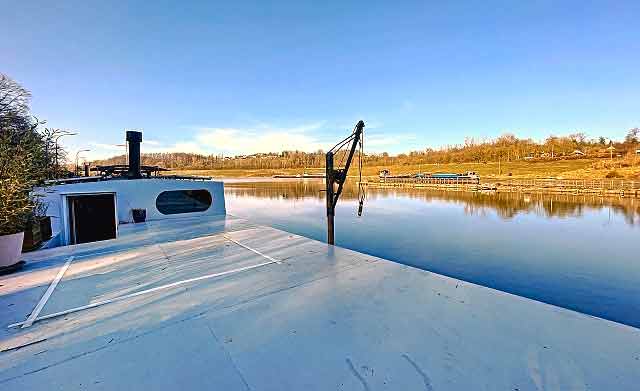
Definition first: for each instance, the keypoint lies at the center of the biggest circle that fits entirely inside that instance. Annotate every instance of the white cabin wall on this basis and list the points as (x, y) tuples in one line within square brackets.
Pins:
[(135, 194), (130, 194)]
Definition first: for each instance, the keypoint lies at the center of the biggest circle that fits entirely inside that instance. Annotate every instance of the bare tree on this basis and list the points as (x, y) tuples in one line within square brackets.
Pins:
[(633, 137), (14, 99)]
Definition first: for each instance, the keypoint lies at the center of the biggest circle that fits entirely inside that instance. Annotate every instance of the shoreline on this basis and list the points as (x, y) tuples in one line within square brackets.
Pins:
[(581, 169), (525, 183), (601, 188)]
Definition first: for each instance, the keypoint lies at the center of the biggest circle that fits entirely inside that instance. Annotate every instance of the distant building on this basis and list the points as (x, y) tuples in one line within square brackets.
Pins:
[(577, 152)]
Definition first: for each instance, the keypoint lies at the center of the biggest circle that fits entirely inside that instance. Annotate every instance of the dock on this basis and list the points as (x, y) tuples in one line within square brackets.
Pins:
[(601, 187), (220, 303)]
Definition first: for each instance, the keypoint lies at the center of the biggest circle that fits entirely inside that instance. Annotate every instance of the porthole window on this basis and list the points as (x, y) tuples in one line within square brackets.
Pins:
[(183, 201)]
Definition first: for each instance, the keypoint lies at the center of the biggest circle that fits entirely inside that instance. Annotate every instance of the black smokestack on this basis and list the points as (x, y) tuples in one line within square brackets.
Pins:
[(134, 139)]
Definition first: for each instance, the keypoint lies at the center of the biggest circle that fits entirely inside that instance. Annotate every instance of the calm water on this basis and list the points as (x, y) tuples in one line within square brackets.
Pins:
[(577, 252)]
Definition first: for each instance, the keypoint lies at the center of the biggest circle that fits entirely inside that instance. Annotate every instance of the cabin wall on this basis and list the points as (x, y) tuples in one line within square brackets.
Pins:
[(130, 194)]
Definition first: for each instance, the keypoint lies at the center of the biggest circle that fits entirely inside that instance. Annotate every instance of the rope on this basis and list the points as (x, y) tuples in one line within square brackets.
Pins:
[(362, 191), (342, 155)]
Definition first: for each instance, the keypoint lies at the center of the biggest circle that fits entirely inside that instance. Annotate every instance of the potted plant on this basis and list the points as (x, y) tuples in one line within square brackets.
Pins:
[(15, 209)]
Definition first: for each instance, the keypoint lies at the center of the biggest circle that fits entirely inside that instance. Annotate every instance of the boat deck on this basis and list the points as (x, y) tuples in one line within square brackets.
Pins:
[(223, 304)]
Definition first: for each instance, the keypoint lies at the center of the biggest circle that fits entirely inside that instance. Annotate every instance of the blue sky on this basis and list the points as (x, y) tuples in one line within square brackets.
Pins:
[(237, 77)]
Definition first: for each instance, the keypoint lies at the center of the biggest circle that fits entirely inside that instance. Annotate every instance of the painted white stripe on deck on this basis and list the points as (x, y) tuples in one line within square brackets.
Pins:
[(43, 300), (156, 289), (253, 250)]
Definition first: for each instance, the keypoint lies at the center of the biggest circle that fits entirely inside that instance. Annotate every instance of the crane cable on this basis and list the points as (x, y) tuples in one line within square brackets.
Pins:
[(362, 191)]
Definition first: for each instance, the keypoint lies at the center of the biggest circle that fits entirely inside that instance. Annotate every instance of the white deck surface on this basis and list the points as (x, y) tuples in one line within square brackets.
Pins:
[(326, 318)]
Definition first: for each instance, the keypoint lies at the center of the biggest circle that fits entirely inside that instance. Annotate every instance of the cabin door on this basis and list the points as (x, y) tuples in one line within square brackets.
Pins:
[(92, 217)]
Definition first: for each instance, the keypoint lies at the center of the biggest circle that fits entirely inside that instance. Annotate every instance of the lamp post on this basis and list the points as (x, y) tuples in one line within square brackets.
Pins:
[(56, 147), (77, 156), (611, 149)]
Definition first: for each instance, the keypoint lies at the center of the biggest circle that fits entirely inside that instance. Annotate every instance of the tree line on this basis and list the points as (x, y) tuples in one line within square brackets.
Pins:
[(505, 148)]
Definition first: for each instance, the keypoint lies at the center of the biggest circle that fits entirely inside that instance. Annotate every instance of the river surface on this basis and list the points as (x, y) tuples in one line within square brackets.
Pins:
[(577, 252)]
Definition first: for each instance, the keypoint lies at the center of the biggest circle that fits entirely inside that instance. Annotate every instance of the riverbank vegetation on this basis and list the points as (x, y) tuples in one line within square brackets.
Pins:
[(566, 156), (576, 168)]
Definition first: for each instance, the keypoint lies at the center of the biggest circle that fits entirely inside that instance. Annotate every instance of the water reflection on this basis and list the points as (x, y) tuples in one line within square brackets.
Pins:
[(506, 205)]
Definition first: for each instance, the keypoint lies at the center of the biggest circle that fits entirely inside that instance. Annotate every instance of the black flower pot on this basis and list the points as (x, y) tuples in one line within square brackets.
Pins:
[(139, 215)]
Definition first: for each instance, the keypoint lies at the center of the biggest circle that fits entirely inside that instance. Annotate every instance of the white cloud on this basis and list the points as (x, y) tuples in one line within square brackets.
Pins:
[(99, 151), (263, 138), (96, 151), (187, 147)]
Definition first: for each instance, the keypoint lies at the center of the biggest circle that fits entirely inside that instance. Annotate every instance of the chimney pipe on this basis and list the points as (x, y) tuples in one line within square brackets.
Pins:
[(134, 139)]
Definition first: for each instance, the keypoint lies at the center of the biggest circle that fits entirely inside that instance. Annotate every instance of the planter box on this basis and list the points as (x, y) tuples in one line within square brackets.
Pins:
[(10, 249)]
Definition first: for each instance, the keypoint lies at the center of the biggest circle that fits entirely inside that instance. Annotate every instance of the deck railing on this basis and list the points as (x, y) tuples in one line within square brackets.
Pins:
[(604, 184)]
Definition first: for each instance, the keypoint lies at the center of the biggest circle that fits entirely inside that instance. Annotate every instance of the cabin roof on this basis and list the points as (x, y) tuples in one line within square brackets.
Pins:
[(311, 317)]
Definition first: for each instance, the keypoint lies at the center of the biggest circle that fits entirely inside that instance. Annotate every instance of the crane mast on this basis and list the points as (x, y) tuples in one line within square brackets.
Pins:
[(338, 176)]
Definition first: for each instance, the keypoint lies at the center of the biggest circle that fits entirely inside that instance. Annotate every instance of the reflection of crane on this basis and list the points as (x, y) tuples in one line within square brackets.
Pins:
[(339, 175)]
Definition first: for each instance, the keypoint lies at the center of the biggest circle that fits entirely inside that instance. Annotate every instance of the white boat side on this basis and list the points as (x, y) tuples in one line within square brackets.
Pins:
[(129, 195)]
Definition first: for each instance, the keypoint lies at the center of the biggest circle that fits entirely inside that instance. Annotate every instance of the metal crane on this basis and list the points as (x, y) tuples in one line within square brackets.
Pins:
[(339, 175)]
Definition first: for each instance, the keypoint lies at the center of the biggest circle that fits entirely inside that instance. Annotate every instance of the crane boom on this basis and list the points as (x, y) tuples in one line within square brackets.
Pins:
[(339, 176)]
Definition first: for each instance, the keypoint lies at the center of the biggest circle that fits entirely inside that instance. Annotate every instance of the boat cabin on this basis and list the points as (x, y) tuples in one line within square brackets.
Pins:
[(91, 209)]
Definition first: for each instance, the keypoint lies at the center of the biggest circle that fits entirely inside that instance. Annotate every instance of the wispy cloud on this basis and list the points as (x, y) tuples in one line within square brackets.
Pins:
[(264, 138), (261, 137), (105, 147)]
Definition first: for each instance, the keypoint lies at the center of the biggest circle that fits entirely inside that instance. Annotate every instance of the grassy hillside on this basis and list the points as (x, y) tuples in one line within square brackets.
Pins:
[(579, 169)]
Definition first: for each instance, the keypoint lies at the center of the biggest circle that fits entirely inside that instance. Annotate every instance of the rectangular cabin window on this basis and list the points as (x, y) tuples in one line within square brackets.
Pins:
[(92, 217), (183, 201)]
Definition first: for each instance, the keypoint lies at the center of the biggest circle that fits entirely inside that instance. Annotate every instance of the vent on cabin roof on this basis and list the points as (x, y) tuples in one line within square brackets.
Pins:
[(134, 169)]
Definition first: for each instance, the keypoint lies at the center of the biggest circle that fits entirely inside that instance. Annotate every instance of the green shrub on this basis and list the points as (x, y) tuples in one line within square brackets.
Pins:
[(24, 158)]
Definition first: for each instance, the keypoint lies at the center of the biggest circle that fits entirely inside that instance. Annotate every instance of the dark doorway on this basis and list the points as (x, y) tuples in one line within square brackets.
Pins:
[(92, 218)]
